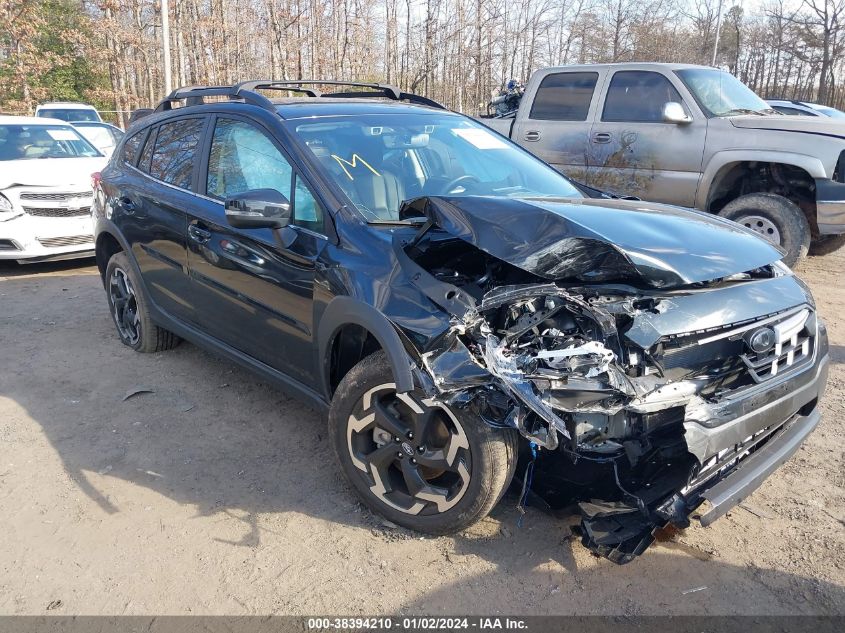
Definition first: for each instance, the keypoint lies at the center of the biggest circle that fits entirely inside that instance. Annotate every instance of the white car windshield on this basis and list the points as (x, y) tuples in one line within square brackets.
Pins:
[(69, 114), (721, 94), (100, 135), (27, 142), (380, 161)]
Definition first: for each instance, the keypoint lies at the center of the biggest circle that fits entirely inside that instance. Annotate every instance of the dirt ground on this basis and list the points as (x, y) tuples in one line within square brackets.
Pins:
[(217, 494)]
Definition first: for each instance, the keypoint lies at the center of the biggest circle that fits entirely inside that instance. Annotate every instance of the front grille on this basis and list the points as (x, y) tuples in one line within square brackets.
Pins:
[(839, 172), (793, 347), (70, 240), (57, 212), (788, 337), (34, 195)]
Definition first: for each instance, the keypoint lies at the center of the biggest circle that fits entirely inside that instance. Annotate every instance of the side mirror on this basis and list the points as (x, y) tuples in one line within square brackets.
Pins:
[(258, 209), (673, 112)]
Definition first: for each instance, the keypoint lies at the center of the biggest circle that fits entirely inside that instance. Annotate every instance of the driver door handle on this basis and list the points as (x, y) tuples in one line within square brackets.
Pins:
[(602, 137), (199, 235), (532, 135)]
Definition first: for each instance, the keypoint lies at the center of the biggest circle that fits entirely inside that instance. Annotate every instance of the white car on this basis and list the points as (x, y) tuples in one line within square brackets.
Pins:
[(103, 136), (45, 190), (68, 111), (804, 108)]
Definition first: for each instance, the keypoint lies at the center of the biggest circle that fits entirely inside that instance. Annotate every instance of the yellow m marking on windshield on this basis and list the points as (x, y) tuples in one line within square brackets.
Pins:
[(353, 164)]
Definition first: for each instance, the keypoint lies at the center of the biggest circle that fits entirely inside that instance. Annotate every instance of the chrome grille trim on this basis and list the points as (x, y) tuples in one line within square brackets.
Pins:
[(70, 240), (61, 195), (57, 212)]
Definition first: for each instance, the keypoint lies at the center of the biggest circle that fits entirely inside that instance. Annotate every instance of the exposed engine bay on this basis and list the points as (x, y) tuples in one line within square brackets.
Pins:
[(608, 382)]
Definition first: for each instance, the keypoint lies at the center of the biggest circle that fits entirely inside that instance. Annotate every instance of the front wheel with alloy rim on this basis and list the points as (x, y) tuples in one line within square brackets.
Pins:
[(128, 306), (775, 219), (416, 461)]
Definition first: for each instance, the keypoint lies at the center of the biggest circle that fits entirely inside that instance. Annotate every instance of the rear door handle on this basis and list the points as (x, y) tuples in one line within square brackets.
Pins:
[(602, 137), (532, 135), (199, 235)]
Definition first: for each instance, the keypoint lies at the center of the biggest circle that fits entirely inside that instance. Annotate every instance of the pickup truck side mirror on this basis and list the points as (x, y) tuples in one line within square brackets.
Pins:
[(258, 209), (673, 112)]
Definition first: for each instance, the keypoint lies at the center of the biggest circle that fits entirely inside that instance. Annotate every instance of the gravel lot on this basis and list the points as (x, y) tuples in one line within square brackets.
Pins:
[(217, 494)]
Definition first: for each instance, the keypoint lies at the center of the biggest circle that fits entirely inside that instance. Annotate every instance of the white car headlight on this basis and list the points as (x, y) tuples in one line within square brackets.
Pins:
[(5, 205), (781, 269)]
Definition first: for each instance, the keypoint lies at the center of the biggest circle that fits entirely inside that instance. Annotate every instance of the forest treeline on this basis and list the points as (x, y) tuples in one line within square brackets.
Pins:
[(456, 51)]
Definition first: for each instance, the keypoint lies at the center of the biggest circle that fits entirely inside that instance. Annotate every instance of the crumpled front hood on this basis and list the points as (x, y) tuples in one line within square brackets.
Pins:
[(49, 172), (809, 125), (593, 240)]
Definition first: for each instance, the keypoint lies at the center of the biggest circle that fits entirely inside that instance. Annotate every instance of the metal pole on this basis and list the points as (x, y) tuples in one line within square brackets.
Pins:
[(718, 30), (165, 45)]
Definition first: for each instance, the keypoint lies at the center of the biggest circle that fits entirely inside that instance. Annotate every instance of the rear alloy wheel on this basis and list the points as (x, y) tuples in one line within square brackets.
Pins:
[(129, 311), (124, 305), (775, 219), (413, 459)]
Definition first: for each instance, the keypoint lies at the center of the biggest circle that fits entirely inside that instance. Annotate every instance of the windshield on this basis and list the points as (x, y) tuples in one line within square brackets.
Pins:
[(25, 142), (721, 94), (69, 114), (101, 136), (831, 112), (382, 160)]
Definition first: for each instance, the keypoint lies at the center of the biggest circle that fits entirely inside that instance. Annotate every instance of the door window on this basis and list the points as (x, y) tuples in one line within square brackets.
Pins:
[(243, 157), (172, 159), (638, 96), (564, 97)]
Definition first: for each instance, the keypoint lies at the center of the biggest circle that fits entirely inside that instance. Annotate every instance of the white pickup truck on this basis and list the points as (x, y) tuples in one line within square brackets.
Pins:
[(692, 136)]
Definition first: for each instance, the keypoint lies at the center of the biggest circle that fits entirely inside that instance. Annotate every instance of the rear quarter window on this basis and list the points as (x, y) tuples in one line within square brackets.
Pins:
[(131, 147), (172, 159), (564, 97)]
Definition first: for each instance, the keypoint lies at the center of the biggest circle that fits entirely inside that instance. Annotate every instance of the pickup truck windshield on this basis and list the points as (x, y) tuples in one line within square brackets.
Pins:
[(721, 94), (28, 142), (382, 160)]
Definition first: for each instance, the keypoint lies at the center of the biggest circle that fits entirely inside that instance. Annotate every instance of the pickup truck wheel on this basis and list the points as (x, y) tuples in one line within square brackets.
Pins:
[(417, 462), (128, 307), (827, 245), (775, 218)]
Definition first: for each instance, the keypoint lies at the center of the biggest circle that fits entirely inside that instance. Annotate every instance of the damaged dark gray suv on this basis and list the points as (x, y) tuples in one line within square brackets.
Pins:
[(463, 312)]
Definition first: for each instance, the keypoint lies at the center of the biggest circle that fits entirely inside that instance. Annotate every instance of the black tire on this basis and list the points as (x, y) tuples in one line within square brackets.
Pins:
[(130, 313), (826, 245), (786, 217), (480, 470)]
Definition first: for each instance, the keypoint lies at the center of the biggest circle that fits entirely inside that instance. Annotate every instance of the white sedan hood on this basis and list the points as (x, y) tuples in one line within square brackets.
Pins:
[(49, 172)]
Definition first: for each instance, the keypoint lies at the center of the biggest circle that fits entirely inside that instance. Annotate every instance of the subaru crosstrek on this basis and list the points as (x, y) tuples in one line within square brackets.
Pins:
[(462, 312)]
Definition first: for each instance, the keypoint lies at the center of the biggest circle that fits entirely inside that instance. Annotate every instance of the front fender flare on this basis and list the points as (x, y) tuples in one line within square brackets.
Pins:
[(345, 310), (720, 160)]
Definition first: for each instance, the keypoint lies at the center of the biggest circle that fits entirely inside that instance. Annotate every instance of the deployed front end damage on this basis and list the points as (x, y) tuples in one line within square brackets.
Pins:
[(647, 391)]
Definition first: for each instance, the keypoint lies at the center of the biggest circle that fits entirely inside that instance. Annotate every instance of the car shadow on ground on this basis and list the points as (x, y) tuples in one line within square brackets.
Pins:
[(206, 433)]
